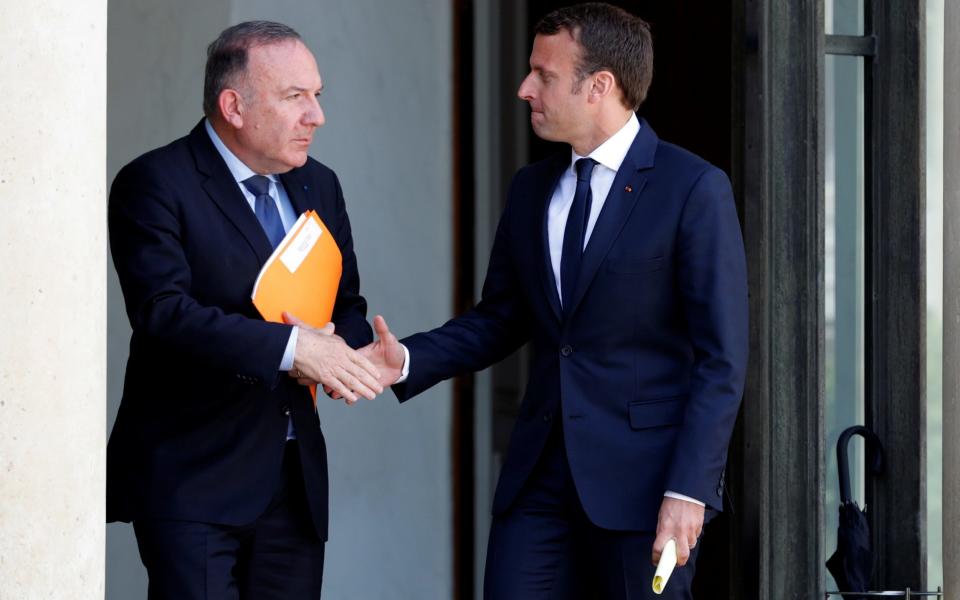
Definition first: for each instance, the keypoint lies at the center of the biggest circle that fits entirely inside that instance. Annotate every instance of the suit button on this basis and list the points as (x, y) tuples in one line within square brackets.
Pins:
[(566, 350), (286, 411), (547, 416)]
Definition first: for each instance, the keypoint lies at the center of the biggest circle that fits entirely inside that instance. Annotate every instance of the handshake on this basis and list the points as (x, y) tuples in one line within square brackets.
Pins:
[(324, 358)]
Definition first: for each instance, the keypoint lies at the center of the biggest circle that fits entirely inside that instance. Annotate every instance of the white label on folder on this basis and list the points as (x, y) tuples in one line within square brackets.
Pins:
[(301, 245)]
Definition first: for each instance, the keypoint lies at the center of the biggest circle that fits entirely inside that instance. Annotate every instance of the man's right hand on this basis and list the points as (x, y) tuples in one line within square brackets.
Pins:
[(386, 353), (324, 358)]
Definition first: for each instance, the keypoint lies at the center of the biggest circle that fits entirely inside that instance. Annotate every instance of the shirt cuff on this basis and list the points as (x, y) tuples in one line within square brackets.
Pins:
[(405, 371), (287, 363), (669, 494)]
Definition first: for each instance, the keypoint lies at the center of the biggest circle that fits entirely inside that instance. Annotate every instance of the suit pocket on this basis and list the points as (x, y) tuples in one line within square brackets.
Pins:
[(660, 412), (635, 266)]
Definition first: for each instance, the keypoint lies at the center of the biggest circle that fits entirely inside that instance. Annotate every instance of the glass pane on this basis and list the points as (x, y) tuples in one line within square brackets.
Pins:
[(844, 276), (843, 17), (934, 101)]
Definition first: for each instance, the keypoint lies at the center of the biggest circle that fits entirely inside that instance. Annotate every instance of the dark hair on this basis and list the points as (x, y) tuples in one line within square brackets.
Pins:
[(612, 40), (227, 56)]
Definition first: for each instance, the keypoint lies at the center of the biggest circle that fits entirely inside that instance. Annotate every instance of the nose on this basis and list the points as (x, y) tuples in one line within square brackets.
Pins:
[(315, 117), (526, 88)]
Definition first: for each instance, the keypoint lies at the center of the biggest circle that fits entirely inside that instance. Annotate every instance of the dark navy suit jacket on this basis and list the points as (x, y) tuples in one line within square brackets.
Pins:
[(646, 370), (202, 423)]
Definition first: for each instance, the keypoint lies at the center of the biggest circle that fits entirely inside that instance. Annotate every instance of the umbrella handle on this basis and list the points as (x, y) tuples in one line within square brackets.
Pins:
[(874, 452)]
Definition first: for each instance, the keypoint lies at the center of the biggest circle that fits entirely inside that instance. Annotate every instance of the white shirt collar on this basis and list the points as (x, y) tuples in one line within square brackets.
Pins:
[(240, 171), (612, 152)]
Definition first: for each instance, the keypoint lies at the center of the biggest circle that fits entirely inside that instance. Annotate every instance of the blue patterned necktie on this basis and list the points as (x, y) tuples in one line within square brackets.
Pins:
[(265, 208), (574, 232)]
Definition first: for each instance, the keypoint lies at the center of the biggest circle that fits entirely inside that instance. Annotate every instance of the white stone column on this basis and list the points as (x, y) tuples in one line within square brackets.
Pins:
[(53, 250), (951, 301)]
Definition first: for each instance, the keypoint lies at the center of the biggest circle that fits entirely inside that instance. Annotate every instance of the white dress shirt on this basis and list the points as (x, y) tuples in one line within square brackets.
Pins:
[(288, 217), (609, 156)]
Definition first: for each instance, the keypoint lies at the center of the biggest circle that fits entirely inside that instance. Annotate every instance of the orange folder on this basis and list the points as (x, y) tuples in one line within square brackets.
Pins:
[(302, 276)]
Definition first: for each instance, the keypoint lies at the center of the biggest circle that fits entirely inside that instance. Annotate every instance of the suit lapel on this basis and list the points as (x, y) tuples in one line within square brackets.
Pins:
[(545, 194), (297, 192), (225, 193), (626, 189)]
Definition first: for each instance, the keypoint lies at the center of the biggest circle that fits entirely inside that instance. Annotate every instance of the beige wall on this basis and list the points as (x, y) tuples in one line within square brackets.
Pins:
[(52, 309)]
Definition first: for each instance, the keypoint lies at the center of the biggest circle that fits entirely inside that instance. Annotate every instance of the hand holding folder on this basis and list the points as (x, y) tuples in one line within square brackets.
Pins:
[(301, 278)]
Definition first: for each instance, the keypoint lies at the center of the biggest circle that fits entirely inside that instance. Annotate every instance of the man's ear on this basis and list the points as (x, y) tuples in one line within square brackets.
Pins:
[(602, 84), (231, 107)]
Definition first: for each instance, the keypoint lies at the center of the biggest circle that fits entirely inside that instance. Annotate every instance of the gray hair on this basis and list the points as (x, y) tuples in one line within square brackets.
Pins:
[(228, 54)]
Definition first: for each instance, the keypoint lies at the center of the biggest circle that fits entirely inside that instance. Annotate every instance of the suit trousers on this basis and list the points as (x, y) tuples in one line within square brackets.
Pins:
[(278, 556), (545, 547)]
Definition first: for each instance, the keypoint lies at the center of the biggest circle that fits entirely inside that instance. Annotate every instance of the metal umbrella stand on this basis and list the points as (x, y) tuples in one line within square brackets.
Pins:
[(904, 594)]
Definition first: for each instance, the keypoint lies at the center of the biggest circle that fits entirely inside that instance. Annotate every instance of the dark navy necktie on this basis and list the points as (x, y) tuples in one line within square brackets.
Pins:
[(574, 232), (265, 208)]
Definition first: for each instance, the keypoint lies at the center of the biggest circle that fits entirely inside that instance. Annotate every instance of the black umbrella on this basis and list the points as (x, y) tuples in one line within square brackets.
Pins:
[(852, 564)]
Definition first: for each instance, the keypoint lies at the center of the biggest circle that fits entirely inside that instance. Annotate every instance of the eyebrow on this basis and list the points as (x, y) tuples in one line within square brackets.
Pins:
[(542, 70), (296, 88)]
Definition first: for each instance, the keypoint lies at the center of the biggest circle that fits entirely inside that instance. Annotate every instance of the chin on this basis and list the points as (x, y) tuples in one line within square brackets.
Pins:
[(298, 160), (544, 133)]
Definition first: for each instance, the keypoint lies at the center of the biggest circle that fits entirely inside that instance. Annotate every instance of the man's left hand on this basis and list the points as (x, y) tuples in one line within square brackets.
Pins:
[(682, 521)]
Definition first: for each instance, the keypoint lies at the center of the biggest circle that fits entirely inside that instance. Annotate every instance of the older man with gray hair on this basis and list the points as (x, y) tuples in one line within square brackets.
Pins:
[(216, 455)]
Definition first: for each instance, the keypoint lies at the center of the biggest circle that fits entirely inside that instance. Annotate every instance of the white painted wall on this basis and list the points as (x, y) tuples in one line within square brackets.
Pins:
[(52, 309), (387, 72)]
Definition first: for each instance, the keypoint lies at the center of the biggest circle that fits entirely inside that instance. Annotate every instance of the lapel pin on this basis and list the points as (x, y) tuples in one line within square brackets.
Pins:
[(628, 189)]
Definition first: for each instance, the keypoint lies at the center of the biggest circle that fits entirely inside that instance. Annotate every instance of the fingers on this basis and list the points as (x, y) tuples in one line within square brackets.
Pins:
[(341, 384), (328, 360), (361, 375), (358, 386), (683, 551), (658, 544), (679, 520), (292, 320), (340, 388), (380, 328), (371, 374), (302, 379)]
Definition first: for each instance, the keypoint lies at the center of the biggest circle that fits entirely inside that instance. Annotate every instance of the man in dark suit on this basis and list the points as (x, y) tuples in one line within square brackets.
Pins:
[(621, 261), (216, 455)]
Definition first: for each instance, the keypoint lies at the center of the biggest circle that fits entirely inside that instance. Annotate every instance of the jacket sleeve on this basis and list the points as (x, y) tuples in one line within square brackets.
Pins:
[(713, 285), (487, 333), (144, 218)]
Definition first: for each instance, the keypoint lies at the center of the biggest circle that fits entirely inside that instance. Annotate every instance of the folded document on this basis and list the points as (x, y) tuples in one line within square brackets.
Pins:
[(302, 275)]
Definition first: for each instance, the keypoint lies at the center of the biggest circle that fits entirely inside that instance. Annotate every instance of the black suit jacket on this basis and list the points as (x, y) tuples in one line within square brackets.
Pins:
[(202, 423), (645, 369)]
